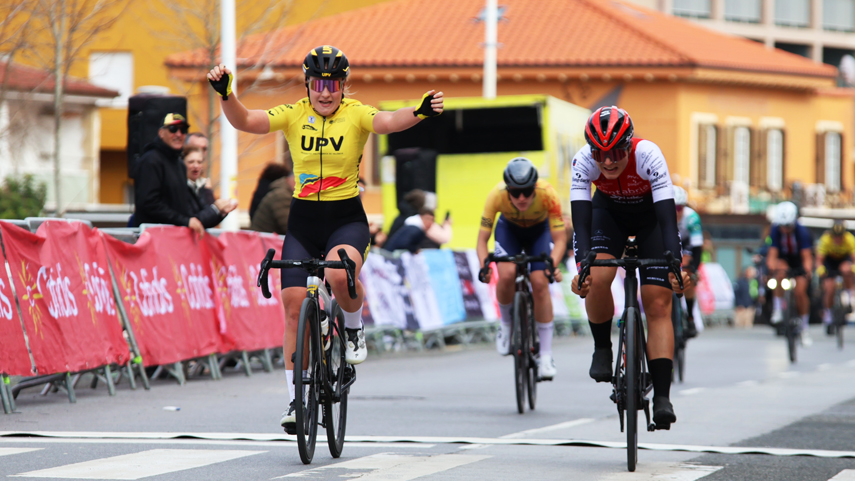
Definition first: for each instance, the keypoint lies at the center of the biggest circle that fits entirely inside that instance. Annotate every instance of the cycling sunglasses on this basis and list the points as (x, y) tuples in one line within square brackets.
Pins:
[(319, 84), (176, 128), (516, 193), (615, 155)]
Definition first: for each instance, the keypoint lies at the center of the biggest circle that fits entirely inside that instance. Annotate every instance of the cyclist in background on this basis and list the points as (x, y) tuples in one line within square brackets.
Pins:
[(634, 197), (834, 257), (326, 133), (692, 238), (530, 221), (790, 250)]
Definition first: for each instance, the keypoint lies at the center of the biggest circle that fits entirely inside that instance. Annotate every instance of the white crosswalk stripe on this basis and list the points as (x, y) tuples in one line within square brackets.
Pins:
[(664, 471), (139, 465), (10, 451), (386, 466), (845, 475)]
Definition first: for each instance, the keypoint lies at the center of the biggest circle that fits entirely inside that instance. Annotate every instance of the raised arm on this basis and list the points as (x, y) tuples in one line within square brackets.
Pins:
[(404, 118), (241, 118)]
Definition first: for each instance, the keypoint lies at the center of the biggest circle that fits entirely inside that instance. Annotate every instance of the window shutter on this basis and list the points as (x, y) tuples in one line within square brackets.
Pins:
[(840, 162), (702, 161), (757, 162), (783, 159), (820, 158), (724, 169)]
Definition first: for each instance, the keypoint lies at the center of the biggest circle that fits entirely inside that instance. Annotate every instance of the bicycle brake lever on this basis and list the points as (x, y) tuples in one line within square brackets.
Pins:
[(550, 268), (262, 274), (674, 267), (482, 274), (586, 268), (349, 269)]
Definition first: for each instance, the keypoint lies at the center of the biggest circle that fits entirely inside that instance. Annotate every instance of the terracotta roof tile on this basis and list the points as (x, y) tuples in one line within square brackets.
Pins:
[(537, 33), (29, 79)]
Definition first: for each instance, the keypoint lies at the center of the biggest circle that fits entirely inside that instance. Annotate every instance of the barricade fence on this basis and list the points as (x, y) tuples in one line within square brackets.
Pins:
[(75, 299)]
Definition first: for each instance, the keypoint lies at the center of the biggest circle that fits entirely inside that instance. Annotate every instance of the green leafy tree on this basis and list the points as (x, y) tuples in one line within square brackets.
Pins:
[(22, 197)]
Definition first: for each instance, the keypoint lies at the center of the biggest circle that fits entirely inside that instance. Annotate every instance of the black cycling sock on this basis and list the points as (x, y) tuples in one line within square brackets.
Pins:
[(660, 371), (602, 334), (690, 307)]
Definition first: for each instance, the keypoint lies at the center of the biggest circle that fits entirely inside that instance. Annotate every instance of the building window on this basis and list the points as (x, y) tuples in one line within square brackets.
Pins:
[(832, 161), (838, 15), (692, 8), (775, 159), (743, 10), (741, 154), (792, 13), (707, 137), (114, 71)]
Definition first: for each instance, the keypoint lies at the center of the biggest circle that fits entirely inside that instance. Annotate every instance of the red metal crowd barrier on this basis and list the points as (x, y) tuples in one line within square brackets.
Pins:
[(185, 297)]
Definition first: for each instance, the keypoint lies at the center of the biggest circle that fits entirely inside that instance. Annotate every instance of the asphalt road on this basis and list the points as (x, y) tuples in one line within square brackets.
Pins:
[(744, 413)]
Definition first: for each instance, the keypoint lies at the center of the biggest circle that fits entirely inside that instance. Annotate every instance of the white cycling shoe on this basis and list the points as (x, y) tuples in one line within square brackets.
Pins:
[(546, 367), (289, 420), (503, 342), (777, 316), (356, 351)]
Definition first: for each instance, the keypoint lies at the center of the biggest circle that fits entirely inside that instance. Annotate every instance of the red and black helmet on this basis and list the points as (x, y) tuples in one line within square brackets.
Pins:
[(609, 128)]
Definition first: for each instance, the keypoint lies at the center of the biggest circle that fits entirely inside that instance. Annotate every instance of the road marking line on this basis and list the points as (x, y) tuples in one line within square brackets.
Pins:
[(789, 374), (422, 440), (665, 471), (11, 451), (748, 383), (554, 427), (692, 391), (139, 465), (386, 466), (845, 475), (202, 442), (825, 366)]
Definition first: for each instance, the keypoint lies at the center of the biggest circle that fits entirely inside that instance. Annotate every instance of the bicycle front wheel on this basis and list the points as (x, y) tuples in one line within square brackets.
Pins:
[(633, 387), (518, 336), (308, 385), (532, 347), (335, 401), (679, 342), (838, 318), (792, 328)]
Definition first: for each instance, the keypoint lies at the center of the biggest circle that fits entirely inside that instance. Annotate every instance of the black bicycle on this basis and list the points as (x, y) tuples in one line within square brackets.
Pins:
[(525, 345), (320, 353), (631, 381), (839, 310), (678, 318), (792, 322)]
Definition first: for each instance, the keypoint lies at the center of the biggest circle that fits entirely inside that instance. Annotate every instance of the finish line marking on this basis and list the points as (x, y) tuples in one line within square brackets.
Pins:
[(84, 435)]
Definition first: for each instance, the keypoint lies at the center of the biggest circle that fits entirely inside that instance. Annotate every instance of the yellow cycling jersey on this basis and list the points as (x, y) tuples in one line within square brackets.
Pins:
[(828, 247), (326, 151), (545, 205)]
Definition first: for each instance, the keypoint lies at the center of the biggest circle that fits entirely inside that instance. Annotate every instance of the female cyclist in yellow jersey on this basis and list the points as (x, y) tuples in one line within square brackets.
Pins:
[(326, 134)]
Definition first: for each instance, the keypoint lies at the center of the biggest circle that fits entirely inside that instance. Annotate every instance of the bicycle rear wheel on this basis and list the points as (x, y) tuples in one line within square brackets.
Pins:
[(632, 388), (791, 330), (335, 401), (679, 342), (518, 349), (838, 318), (532, 347), (308, 358)]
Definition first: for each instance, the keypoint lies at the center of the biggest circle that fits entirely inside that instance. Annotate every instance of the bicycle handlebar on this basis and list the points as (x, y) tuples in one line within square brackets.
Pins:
[(672, 263), (345, 263), (518, 259)]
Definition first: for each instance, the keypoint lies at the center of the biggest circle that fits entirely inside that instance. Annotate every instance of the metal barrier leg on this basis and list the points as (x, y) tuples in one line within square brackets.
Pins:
[(247, 368), (138, 364), (266, 360), (214, 364), (5, 395), (111, 386), (176, 370), (130, 368), (69, 386)]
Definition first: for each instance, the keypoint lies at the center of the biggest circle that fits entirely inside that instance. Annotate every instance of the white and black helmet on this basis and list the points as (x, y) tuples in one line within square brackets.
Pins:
[(681, 197), (520, 173), (785, 213)]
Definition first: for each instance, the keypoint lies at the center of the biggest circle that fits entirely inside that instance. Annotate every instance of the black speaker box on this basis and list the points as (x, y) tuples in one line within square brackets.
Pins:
[(145, 117), (415, 168)]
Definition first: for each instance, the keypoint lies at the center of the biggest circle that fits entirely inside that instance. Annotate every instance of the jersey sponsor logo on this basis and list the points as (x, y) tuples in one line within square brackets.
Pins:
[(317, 143), (311, 119), (309, 127), (312, 184)]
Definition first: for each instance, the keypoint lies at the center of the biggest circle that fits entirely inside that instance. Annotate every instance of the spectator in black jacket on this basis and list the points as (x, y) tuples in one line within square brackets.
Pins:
[(271, 173), (160, 187), (412, 233), (209, 211)]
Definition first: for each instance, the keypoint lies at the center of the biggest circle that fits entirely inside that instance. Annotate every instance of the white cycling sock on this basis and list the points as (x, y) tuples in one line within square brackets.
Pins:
[(505, 310), (805, 318), (289, 379), (544, 332), (776, 303), (352, 320)]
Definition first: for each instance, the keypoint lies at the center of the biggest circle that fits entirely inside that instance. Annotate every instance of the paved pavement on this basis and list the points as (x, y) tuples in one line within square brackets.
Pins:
[(452, 415)]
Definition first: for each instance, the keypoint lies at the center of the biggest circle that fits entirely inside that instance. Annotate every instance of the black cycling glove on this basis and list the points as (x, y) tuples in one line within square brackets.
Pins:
[(424, 110), (223, 86)]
